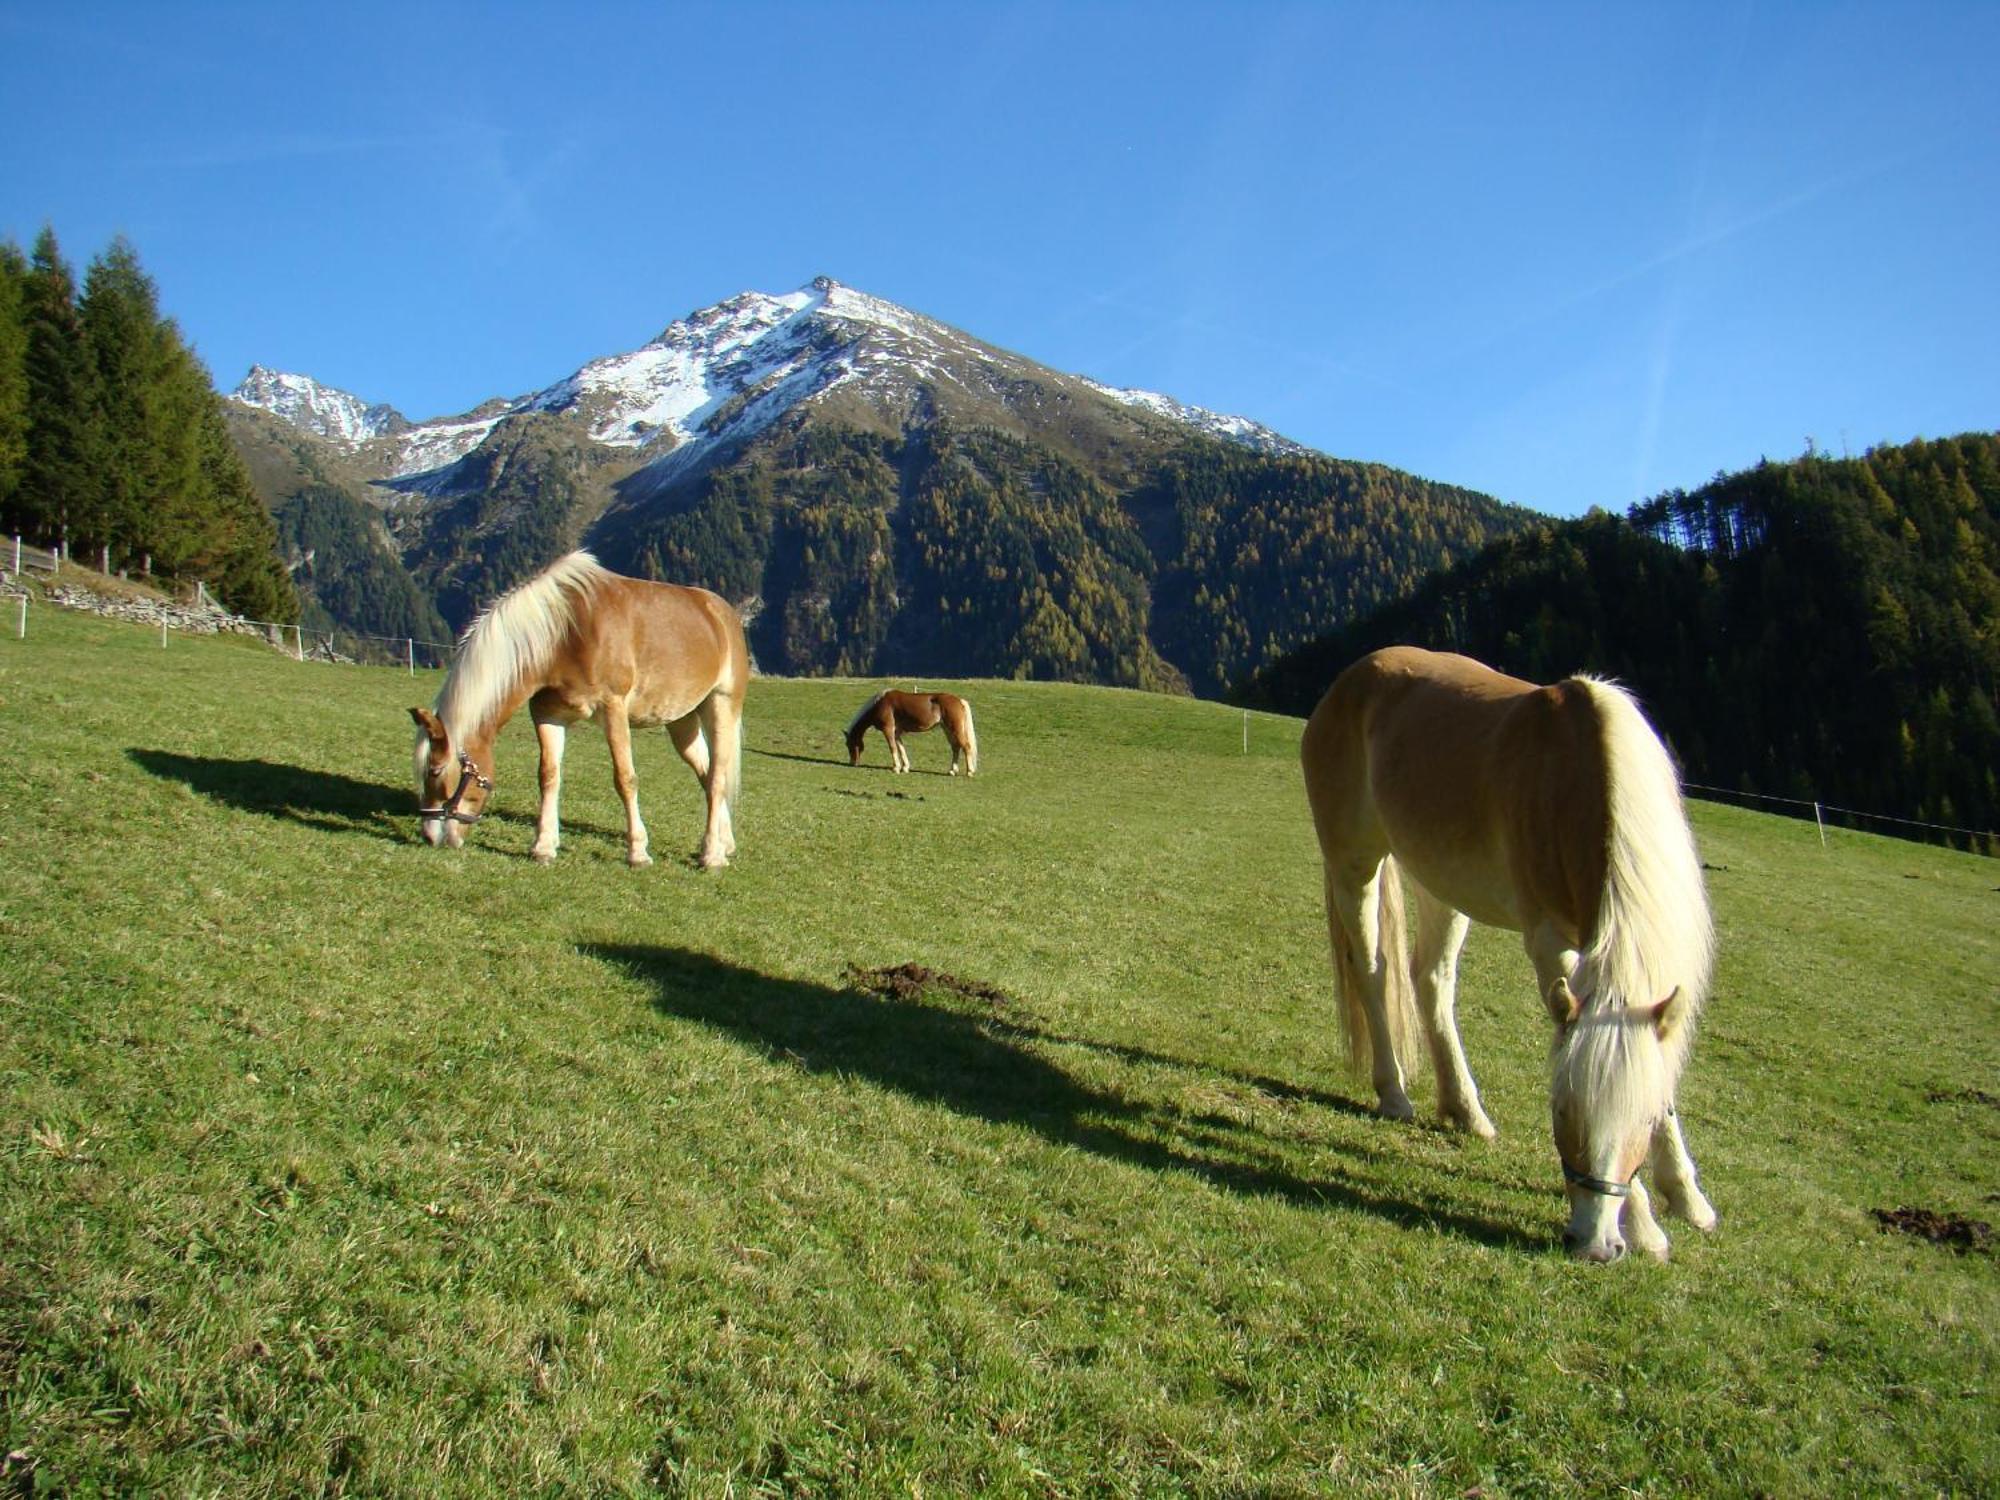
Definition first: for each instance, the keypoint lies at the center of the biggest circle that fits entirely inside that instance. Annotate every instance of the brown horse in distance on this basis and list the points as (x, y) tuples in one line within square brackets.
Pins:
[(577, 642), (897, 713)]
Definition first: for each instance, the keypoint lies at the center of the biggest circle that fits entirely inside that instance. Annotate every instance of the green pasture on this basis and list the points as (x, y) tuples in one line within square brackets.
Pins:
[(332, 1163)]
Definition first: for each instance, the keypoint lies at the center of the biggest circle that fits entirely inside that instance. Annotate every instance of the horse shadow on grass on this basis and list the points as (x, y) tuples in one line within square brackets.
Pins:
[(324, 800), (993, 1069)]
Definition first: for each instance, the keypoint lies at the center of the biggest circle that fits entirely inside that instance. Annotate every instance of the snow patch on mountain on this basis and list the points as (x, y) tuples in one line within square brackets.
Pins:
[(324, 410), (1233, 429), (718, 376)]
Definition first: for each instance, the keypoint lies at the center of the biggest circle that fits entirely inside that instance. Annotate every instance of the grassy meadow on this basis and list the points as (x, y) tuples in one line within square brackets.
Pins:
[(332, 1163)]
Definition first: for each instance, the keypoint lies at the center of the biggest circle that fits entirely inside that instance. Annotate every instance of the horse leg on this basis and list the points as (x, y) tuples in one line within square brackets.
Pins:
[(1362, 964), (1673, 1169), (548, 830), (1552, 957), (618, 735), (1441, 931), (1642, 1230), (722, 725)]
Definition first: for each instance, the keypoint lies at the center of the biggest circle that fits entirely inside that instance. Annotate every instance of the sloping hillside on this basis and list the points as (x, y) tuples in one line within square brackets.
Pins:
[(1824, 628)]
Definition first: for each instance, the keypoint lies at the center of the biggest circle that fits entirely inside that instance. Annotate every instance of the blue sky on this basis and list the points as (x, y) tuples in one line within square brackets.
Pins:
[(1570, 256)]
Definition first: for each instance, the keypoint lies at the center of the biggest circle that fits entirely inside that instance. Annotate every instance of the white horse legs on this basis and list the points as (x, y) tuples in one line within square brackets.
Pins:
[(1440, 936), (1673, 1170), (721, 726), (548, 831)]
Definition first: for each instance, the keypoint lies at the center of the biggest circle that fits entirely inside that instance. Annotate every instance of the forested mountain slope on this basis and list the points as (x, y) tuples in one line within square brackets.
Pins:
[(1824, 628), (882, 495)]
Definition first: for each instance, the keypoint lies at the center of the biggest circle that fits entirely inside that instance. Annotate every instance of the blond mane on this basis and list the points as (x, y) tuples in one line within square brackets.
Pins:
[(515, 637), (1654, 934)]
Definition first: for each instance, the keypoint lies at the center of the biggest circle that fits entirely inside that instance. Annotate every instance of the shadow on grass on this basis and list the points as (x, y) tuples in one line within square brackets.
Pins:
[(810, 760), (318, 799), (989, 1069)]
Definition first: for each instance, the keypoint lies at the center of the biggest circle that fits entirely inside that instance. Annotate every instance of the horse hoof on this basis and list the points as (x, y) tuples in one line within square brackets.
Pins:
[(1396, 1109), (638, 861), (543, 856)]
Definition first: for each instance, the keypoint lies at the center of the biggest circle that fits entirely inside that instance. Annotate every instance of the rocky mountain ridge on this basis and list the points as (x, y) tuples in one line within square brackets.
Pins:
[(880, 492)]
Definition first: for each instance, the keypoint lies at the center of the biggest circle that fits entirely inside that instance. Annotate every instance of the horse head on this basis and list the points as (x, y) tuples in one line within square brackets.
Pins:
[(857, 738), (448, 804), (1611, 1084)]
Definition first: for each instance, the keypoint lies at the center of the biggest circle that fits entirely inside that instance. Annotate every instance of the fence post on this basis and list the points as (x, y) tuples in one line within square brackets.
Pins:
[(411, 644), (1246, 731), (299, 633), (163, 632), (22, 633), (1822, 825), (17, 552)]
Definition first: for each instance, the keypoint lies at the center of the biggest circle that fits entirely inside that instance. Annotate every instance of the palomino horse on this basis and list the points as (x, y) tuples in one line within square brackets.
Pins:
[(1553, 811), (579, 640), (897, 713)]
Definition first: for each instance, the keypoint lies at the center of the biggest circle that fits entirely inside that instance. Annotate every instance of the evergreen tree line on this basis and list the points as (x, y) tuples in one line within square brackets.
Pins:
[(1824, 629), (959, 550), (112, 435)]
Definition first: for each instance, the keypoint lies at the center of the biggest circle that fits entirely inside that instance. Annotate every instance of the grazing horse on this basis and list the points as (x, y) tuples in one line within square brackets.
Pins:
[(1552, 811), (898, 713), (576, 641)]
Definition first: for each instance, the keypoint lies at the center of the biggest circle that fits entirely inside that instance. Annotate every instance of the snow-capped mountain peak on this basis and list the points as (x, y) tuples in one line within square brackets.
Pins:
[(321, 409), (718, 377)]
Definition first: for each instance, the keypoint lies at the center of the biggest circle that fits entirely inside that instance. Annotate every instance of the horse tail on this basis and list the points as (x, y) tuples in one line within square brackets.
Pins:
[(971, 739), (1654, 933), (1351, 981)]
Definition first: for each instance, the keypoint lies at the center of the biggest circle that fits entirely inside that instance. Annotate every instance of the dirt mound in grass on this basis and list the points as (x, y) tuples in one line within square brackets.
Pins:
[(1953, 1230), (911, 981)]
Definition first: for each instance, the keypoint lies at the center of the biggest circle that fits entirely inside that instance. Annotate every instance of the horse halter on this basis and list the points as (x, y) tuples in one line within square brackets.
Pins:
[(449, 810), (1603, 1185)]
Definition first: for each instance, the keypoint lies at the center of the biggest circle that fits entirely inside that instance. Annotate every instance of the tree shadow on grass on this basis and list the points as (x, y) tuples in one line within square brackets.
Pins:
[(994, 1070)]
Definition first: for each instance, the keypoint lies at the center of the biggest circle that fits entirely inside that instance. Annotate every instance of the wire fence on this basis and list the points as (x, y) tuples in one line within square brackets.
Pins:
[(310, 643), (1980, 841)]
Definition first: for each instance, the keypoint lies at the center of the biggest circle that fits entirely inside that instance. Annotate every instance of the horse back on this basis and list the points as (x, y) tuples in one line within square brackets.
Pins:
[(663, 647), (1488, 789)]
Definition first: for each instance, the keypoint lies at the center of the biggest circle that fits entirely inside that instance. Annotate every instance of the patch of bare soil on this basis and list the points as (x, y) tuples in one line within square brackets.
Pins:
[(1954, 1231), (910, 981), (1963, 1096)]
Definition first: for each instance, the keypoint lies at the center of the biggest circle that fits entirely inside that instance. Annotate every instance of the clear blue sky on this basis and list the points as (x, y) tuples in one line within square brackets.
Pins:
[(1570, 256)]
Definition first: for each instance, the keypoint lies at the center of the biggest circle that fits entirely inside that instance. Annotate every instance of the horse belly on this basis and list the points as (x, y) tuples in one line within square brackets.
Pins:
[(1458, 863), (663, 705)]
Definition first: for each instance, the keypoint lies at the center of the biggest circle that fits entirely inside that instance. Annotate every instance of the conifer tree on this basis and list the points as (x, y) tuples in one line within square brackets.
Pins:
[(60, 492), (128, 344), (13, 384)]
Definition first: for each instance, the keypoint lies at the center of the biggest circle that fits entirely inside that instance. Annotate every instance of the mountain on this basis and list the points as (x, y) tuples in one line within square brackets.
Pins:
[(316, 408), (884, 494)]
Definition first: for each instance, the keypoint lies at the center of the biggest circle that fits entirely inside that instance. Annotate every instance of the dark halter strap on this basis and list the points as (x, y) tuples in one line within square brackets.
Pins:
[(449, 811), (1602, 1185)]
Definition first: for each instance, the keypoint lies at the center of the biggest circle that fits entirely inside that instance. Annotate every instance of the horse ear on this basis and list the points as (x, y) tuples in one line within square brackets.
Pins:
[(1670, 1013), (1562, 1002), (429, 723)]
